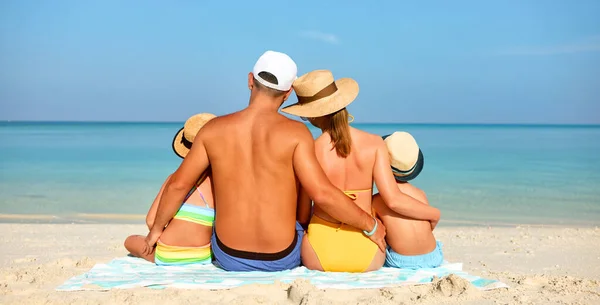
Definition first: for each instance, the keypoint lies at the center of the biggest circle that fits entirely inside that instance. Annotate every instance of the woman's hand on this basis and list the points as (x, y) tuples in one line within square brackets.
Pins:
[(433, 223)]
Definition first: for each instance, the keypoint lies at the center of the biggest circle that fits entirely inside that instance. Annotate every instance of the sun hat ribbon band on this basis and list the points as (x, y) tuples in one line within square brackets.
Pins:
[(185, 142), (398, 172), (325, 92)]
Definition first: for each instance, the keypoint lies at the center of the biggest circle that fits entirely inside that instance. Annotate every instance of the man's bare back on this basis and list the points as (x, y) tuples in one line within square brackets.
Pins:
[(251, 155)]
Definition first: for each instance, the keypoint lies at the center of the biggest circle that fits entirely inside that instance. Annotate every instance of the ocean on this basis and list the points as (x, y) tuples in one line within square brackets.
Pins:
[(476, 174)]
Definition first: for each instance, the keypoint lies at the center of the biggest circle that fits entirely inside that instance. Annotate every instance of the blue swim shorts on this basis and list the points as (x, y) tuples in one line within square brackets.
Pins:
[(237, 260), (430, 260)]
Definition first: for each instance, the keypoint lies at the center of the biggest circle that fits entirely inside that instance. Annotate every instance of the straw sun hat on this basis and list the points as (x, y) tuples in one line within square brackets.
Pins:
[(182, 142), (406, 157), (320, 94)]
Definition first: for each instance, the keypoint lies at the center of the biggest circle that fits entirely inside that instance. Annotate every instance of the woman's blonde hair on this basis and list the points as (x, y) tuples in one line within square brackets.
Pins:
[(336, 125)]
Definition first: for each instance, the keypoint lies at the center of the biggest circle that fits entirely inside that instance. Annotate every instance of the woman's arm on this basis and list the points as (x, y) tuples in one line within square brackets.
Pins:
[(393, 197), (154, 207), (303, 212), (413, 192)]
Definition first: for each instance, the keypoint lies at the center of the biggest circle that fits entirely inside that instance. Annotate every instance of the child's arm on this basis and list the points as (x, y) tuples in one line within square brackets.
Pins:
[(154, 207), (304, 208)]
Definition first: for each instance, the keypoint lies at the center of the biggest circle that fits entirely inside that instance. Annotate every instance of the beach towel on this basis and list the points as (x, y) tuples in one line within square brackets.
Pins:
[(132, 272)]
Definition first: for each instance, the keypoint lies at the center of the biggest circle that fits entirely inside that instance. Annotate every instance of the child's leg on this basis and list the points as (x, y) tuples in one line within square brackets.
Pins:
[(136, 244)]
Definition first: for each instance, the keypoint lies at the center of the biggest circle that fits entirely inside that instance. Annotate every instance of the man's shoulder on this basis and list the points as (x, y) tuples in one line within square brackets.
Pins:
[(220, 121), (293, 127), (289, 133)]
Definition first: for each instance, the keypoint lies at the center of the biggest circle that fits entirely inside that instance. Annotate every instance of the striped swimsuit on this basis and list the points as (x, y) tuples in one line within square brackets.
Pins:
[(175, 255)]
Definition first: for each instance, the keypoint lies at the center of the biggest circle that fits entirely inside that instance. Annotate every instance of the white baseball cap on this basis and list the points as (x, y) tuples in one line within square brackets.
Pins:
[(278, 64)]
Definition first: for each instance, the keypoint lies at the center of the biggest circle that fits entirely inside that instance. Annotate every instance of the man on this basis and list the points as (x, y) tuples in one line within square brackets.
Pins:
[(256, 154)]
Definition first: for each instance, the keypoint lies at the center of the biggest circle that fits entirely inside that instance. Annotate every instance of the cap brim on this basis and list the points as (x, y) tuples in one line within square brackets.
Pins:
[(178, 147), (417, 170), (344, 96)]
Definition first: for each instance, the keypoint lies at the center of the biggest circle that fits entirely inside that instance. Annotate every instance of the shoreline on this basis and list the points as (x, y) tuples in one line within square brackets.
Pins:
[(541, 265), (136, 219), (469, 124)]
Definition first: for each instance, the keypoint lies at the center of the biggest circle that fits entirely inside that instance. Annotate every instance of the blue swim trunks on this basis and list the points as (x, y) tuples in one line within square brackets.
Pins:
[(430, 260), (236, 260)]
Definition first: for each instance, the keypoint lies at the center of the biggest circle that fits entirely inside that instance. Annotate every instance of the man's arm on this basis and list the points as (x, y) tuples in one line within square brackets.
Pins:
[(324, 194), (393, 197), (181, 182), (304, 208)]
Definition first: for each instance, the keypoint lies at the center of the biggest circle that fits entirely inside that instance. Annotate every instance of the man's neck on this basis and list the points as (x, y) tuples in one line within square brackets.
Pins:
[(264, 103)]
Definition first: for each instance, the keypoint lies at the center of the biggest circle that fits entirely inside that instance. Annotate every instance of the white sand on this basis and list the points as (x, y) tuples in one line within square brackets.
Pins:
[(542, 266)]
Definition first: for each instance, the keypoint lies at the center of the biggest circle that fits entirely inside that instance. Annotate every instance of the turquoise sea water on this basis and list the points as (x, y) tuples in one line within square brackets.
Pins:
[(475, 174)]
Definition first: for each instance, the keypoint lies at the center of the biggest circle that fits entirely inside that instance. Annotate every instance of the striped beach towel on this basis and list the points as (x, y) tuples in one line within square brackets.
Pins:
[(131, 272)]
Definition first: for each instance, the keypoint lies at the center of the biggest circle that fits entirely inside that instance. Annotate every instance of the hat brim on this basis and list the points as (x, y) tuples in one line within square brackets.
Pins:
[(413, 174), (347, 91), (178, 147)]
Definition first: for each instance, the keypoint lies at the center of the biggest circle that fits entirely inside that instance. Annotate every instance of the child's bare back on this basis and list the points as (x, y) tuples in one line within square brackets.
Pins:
[(404, 235)]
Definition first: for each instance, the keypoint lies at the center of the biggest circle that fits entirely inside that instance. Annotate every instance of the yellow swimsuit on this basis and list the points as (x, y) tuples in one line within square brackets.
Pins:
[(340, 247)]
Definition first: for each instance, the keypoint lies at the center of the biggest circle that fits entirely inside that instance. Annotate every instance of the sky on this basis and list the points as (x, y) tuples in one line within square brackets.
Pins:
[(511, 61)]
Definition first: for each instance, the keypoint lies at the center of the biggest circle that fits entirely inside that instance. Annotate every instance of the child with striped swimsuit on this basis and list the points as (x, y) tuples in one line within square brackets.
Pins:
[(186, 239)]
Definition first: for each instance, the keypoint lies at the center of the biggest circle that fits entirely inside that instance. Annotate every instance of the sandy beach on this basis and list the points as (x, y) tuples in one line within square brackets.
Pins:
[(542, 265)]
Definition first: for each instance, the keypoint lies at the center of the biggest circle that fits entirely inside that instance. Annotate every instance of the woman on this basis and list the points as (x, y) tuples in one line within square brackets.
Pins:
[(186, 239), (352, 160)]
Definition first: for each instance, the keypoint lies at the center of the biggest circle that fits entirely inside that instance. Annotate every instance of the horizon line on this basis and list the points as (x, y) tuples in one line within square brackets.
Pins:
[(374, 123)]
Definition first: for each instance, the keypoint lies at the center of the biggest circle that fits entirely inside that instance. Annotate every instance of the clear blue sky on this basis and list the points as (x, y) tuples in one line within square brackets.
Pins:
[(420, 61)]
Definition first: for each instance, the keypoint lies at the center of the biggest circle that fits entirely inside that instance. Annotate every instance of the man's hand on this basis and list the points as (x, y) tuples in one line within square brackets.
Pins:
[(379, 236), (151, 240)]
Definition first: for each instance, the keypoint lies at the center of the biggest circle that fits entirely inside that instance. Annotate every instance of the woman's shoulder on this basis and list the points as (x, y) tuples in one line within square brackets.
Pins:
[(323, 138), (365, 137)]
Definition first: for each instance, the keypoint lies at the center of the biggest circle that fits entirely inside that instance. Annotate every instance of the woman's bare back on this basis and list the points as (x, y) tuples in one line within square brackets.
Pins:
[(353, 173)]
